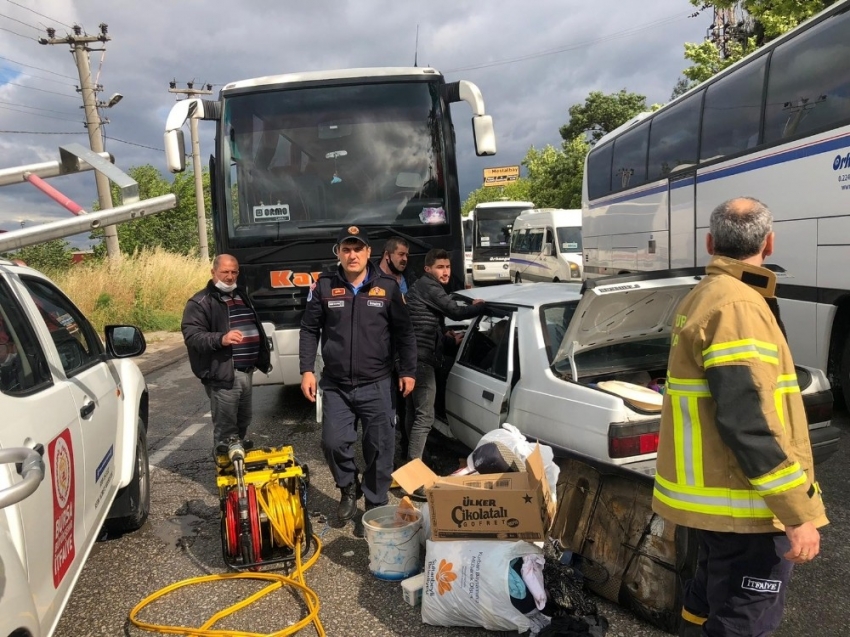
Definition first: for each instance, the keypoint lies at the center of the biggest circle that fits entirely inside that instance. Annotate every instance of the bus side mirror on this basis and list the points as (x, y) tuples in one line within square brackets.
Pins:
[(175, 151), (547, 249), (485, 136)]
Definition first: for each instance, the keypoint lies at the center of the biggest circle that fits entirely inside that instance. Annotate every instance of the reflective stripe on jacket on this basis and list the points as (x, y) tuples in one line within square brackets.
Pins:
[(734, 451)]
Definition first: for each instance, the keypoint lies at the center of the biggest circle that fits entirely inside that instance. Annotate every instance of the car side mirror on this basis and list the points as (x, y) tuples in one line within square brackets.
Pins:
[(124, 341)]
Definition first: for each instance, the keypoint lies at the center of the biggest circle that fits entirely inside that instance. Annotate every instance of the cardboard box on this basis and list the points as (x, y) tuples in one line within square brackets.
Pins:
[(497, 506)]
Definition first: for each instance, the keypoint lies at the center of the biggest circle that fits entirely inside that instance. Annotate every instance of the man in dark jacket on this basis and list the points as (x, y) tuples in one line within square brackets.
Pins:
[(359, 316), (226, 344), (429, 306)]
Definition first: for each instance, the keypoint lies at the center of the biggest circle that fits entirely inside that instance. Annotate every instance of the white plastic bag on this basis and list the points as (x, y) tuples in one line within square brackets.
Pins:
[(513, 439), (466, 584)]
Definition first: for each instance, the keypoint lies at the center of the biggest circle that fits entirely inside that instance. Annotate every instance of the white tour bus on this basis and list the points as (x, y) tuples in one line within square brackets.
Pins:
[(775, 126), (491, 240), (546, 246)]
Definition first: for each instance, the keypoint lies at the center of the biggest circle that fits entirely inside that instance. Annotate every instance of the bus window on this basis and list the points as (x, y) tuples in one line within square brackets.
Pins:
[(674, 137), (535, 240), (808, 87), (629, 163), (518, 242), (599, 172), (732, 114)]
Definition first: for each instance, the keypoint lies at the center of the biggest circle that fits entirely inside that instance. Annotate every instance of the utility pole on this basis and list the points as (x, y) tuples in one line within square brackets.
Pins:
[(190, 91), (79, 47)]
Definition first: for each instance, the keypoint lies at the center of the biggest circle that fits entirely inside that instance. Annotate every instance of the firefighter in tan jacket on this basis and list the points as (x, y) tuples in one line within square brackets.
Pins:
[(734, 457)]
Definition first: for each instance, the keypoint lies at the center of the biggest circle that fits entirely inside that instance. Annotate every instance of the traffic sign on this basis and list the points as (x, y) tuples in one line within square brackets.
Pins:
[(501, 176)]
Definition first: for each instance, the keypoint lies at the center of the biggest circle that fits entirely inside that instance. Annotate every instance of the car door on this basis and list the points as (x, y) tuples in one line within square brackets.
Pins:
[(38, 409), (478, 388), (95, 389)]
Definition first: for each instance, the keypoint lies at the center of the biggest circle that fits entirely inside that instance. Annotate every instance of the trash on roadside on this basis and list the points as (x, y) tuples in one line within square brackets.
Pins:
[(499, 506), (412, 589)]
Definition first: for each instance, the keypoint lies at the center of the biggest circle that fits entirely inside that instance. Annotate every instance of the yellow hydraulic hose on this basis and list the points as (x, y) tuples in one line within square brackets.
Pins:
[(286, 518)]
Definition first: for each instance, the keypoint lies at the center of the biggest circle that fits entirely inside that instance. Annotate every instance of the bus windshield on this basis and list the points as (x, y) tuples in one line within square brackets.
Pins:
[(326, 156), (494, 226)]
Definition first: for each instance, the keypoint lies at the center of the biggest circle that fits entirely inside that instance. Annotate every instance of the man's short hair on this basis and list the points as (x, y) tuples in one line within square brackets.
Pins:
[(739, 227), (223, 257), (434, 255), (394, 243)]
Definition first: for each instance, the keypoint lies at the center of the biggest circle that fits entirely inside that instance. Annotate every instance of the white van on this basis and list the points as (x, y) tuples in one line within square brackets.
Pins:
[(546, 246)]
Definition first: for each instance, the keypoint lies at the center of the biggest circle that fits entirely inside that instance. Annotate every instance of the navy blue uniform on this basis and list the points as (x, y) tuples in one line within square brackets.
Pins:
[(360, 334)]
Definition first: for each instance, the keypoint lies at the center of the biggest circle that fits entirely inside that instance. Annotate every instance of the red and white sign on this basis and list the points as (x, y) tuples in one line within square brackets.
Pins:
[(61, 456)]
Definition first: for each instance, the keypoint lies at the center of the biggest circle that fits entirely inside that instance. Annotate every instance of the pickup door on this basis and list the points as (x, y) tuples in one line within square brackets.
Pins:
[(39, 409), (478, 390)]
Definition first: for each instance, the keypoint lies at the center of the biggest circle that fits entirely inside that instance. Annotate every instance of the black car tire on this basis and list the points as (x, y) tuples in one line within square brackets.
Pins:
[(844, 373), (138, 491)]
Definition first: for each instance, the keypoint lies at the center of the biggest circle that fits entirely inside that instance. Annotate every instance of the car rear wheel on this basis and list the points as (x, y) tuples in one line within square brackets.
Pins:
[(138, 492)]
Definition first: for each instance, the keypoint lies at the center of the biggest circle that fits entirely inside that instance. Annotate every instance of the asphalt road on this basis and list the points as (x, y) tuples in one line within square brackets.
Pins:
[(181, 540)]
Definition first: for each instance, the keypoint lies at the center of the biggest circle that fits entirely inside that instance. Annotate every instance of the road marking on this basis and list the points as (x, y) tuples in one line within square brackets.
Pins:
[(175, 443)]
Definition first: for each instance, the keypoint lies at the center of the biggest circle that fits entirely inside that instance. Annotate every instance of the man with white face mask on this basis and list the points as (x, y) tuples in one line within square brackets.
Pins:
[(226, 344)]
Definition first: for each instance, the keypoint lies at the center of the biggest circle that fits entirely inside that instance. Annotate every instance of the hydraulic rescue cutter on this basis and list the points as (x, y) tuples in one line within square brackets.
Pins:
[(263, 496)]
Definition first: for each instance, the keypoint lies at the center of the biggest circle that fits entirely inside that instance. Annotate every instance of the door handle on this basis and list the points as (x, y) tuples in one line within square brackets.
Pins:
[(488, 395), (87, 409)]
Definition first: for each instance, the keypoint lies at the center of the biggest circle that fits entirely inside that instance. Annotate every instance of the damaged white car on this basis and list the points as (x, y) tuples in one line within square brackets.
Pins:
[(583, 369)]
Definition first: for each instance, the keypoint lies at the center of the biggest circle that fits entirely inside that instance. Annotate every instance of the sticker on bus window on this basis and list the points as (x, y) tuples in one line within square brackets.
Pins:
[(432, 215), (569, 245), (279, 212)]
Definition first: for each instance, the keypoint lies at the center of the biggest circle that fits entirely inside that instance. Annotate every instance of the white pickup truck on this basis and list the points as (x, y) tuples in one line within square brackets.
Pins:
[(73, 412), (73, 450)]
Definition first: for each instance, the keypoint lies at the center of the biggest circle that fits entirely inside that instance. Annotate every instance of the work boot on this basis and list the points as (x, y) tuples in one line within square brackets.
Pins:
[(359, 529), (348, 501)]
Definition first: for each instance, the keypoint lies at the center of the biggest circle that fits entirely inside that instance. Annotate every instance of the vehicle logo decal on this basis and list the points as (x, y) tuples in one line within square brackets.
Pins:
[(104, 463), (291, 279), (60, 453)]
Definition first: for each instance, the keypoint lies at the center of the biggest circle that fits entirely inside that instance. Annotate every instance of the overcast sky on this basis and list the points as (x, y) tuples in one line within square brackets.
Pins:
[(532, 60)]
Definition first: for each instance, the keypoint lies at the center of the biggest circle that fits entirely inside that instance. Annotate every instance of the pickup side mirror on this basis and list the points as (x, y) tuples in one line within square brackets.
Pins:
[(124, 341)]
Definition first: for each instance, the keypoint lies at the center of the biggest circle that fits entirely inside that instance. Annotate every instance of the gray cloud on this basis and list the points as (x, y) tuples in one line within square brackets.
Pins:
[(218, 42)]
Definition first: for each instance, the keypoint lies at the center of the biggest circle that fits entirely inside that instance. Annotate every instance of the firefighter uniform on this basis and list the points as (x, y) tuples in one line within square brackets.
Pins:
[(734, 457)]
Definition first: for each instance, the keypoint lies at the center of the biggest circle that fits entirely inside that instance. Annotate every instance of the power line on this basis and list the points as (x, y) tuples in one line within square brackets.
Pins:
[(570, 47), (34, 107), (124, 141), (34, 132), (16, 33), (47, 79), (17, 4), (26, 24), (17, 110), (30, 66), (32, 88)]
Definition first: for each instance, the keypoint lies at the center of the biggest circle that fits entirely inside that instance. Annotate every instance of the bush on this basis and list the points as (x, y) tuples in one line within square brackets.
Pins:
[(148, 289)]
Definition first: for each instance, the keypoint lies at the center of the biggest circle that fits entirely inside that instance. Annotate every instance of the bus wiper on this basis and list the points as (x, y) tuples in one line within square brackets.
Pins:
[(407, 237), (274, 249)]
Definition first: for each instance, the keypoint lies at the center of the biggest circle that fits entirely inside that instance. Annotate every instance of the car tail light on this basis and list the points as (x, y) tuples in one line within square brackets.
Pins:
[(632, 439)]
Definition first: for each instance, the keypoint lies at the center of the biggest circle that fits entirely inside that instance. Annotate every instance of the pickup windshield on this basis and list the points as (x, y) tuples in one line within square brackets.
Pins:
[(304, 158)]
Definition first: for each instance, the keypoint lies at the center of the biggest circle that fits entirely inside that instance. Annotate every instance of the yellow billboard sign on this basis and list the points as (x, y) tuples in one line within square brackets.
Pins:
[(501, 176)]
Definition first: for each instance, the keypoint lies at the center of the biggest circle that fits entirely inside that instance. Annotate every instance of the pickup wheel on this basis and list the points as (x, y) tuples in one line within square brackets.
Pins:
[(844, 373), (138, 491)]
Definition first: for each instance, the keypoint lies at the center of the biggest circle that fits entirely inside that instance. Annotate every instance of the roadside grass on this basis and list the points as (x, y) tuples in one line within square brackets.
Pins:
[(148, 289)]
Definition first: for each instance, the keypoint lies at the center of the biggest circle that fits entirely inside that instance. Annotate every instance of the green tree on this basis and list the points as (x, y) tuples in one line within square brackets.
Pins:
[(174, 230), (516, 191), (764, 21), (556, 174), (601, 113), (50, 256)]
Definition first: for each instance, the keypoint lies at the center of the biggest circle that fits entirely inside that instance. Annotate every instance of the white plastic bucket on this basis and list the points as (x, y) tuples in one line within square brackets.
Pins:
[(393, 550)]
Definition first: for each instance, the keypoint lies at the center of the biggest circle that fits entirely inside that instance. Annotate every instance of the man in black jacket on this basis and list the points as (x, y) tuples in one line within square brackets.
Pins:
[(361, 319), (226, 343), (429, 306)]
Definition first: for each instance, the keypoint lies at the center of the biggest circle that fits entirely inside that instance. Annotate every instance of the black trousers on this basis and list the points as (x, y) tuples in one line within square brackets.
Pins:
[(740, 583)]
